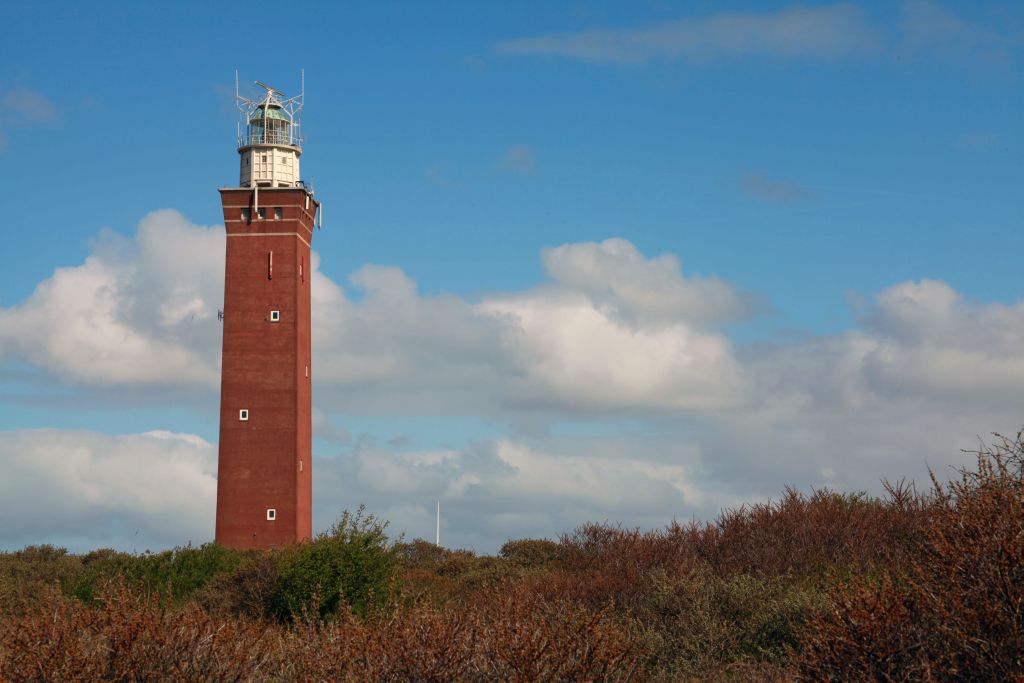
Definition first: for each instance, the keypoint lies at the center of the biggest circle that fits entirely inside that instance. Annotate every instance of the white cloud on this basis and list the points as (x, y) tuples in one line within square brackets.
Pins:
[(682, 420), (577, 357), (137, 312), (796, 32), (641, 291), (87, 490), (502, 489), (929, 340)]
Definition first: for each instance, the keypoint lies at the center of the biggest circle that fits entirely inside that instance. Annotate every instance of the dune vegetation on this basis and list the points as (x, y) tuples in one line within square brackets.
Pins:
[(923, 583)]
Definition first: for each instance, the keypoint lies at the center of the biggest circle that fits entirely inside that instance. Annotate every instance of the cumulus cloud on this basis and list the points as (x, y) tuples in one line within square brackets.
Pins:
[(502, 489), (137, 312), (575, 357), (615, 343), (796, 32), (929, 340), (925, 374), (641, 291), (155, 490), (613, 329), (86, 490)]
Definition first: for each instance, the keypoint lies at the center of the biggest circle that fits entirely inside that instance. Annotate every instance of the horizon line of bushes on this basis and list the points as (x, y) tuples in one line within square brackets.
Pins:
[(914, 585)]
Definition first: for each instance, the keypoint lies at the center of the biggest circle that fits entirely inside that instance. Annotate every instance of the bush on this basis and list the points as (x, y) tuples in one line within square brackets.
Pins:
[(181, 572), (420, 554), (955, 612), (696, 624), (27, 575), (531, 553), (352, 566), (127, 636)]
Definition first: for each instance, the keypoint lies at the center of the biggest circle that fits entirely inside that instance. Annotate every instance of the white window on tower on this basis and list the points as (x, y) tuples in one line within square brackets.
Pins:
[(278, 213), (246, 215), (243, 415), (271, 514), (275, 316)]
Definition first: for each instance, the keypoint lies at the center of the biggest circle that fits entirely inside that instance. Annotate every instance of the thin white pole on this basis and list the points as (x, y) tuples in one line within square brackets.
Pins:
[(437, 532)]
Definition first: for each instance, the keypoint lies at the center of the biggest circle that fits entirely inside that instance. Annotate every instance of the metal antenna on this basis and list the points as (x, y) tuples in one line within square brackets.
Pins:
[(269, 89), (291, 106), (437, 530)]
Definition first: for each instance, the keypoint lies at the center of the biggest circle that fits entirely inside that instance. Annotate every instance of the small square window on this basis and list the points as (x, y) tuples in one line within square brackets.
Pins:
[(278, 213), (262, 213), (243, 415), (275, 316), (264, 158), (246, 215), (271, 514)]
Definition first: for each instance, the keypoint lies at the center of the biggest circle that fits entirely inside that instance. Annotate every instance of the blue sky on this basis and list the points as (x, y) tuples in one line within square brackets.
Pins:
[(800, 170)]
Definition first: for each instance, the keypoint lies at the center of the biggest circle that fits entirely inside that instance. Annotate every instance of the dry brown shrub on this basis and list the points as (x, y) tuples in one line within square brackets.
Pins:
[(955, 612), (29, 575), (814, 534), (129, 637), (532, 553), (512, 636)]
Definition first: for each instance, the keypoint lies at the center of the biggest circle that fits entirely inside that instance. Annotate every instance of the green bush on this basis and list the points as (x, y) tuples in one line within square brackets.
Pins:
[(353, 565), (182, 571), (419, 553)]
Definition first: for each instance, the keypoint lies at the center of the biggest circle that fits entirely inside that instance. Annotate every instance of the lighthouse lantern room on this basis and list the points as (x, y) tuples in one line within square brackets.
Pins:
[(270, 142)]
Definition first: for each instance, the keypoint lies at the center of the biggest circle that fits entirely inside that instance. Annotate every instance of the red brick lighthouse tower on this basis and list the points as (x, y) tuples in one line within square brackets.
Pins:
[(264, 482)]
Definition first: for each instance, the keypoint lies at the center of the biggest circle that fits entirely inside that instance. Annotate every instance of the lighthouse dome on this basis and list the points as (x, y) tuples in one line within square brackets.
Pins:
[(270, 112)]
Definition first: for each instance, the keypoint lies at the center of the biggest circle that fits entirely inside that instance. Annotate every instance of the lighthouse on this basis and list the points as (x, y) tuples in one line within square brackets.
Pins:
[(264, 468)]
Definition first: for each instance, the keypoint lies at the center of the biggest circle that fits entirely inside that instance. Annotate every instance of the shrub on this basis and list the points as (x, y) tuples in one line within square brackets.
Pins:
[(352, 566), (510, 635), (180, 572), (420, 554), (697, 623), (127, 636), (531, 553), (955, 612), (27, 575), (247, 590)]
